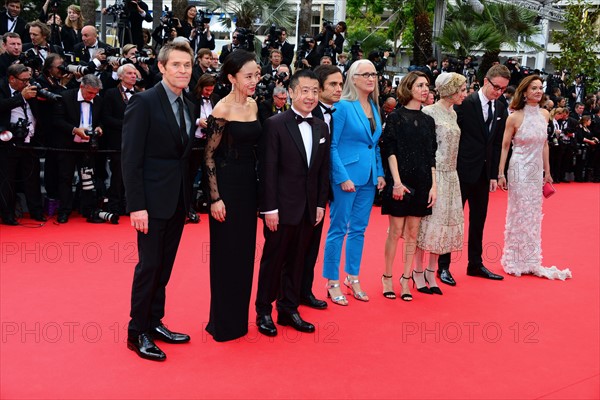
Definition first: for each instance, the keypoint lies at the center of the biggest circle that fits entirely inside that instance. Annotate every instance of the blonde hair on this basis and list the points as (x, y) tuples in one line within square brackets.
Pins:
[(449, 83), (350, 92), (79, 23)]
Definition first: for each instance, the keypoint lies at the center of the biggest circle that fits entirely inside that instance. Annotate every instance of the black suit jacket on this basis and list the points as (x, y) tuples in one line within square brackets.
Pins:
[(20, 27), (52, 48), (82, 55), (67, 115), (113, 112), (69, 38), (5, 61), (289, 183), (479, 150), (265, 110), (155, 162), (136, 21)]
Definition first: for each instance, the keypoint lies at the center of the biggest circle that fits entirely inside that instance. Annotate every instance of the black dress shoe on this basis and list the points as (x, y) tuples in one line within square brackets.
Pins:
[(62, 218), (483, 272), (295, 321), (38, 217), (9, 220), (192, 217), (162, 333), (266, 326), (313, 302), (145, 348), (446, 277)]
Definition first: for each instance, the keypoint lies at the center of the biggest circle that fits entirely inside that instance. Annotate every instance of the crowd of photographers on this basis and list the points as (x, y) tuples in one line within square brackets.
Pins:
[(63, 94)]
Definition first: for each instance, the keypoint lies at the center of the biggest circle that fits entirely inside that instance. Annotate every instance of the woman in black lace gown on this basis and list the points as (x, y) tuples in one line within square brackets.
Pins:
[(230, 159), (409, 144)]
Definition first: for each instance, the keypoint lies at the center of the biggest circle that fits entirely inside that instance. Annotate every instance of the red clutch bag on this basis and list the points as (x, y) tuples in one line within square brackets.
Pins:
[(548, 190)]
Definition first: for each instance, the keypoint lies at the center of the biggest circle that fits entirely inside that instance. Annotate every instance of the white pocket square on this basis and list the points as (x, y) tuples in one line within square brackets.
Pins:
[(498, 119), (322, 140)]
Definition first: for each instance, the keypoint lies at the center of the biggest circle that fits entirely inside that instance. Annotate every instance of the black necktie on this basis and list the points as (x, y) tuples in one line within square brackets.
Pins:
[(182, 127), (490, 117), (300, 119)]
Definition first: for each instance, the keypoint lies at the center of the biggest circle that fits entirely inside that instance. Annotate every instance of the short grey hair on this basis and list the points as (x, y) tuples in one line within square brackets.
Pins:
[(279, 90), (122, 68), (91, 80)]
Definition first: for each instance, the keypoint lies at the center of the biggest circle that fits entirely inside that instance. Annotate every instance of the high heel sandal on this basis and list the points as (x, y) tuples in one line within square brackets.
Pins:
[(388, 295), (424, 288), (433, 289), (362, 296), (339, 300), (405, 296)]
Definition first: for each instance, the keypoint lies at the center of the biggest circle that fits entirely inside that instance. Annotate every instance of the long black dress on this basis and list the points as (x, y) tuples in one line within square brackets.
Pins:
[(410, 136), (230, 160)]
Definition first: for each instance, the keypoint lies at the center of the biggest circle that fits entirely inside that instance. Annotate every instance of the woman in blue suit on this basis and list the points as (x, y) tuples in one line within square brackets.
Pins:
[(356, 171)]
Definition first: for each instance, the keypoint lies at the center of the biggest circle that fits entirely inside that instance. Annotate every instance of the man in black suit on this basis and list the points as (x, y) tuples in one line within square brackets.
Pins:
[(13, 47), (88, 51), (275, 57), (295, 186), (331, 83), (331, 39), (481, 118), (138, 13), (10, 21), (18, 103), (309, 58), (39, 33), (75, 115), (115, 102), (155, 159), (576, 92), (235, 44), (276, 105), (202, 39)]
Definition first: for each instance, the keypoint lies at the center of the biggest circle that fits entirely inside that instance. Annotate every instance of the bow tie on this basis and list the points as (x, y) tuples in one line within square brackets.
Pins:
[(85, 101), (300, 119), (42, 48), (205, 98), (11, 18), (90, 47), (129, 91), (327, 110)]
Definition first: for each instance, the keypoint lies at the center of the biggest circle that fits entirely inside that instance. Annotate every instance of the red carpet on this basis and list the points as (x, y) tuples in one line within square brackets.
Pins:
[(65, 301)]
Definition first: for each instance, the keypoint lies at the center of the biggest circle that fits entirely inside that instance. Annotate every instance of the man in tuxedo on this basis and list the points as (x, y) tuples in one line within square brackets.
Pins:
[(138, 13), (576, 92), (13, 48), (88, 51), (430, 69), (309, 58), (235, 44), (75, 115), (202, 39), (331, 83), (481, 118), (10, 20), (17, 162), (155, 160), (295, 185), (202, 66), (275, 58), (115, 102), (276, 105), (39, 33)]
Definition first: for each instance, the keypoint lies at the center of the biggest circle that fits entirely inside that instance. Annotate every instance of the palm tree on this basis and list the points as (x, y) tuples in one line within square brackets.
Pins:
[(88, 11), (246, 12), (422, 46)]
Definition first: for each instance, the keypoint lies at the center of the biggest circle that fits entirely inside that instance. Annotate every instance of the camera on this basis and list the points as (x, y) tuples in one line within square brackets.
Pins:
[(142, 58), (355, 49), (31, 60), (93, 135), (19, 129), (274, 36), (119, 60), (43, 93), (281, 78), (98, 215), (245, 39), (381, 53), (328, 25), (202, 17), (76, 69)]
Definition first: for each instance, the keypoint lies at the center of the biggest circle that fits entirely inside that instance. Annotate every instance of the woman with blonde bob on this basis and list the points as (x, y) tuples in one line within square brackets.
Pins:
[(356, 171), (442, 231)]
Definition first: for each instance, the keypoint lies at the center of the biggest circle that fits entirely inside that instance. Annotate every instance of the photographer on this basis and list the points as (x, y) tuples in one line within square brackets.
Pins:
[(140, 61), (516, 72), (166, 31), (55, 79), (331, 39), (467, 69), (130, 15), (275, 105), (13, 48), (77, 124), (379, 59), (39, 46), (275, 61), (18, 116), (276, 39), (308, 57), (11, 21), (196, 27), (241, 39), (576, 92), (91, 50), (113, 111)]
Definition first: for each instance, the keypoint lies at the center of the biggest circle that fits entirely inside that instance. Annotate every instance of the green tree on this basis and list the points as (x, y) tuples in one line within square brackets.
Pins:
[(246, 12), (578, 42), (88, 11), (422, 46)]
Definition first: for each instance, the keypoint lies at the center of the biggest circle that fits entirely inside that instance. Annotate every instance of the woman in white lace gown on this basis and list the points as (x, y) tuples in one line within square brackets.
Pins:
[(529, 169), (442, 231)]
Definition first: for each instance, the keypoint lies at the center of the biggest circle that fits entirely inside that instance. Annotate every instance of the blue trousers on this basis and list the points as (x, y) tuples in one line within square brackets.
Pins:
[(349, 216)]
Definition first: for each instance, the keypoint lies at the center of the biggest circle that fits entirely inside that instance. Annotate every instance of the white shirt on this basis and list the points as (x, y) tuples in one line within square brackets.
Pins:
[(306, 132), (326, 116), (205, 110), (19, 112), (484, 105), (85, 116)]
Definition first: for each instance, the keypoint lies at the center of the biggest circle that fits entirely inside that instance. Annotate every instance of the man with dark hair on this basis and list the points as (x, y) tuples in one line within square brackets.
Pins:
[(481, 118), (309, 58), (39, 33), (202, 66), (430, 69), (155, 159), (13, 48), (235, 44), (10, 20), (295, 185), (18, 119), (275, 58), (331, 39)]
